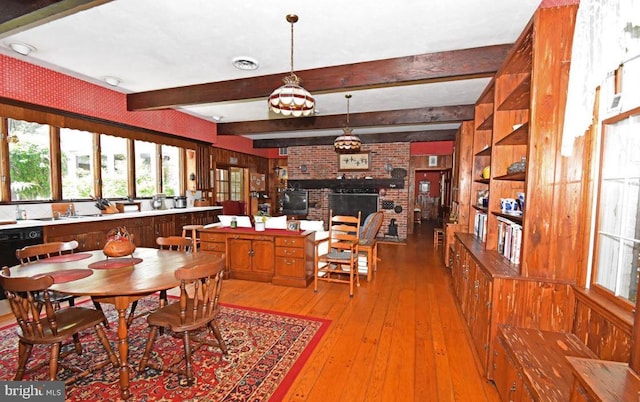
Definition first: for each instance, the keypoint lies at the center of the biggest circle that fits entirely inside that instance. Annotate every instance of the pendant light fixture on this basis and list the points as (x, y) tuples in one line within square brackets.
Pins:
[(291, 99), (347, 143)]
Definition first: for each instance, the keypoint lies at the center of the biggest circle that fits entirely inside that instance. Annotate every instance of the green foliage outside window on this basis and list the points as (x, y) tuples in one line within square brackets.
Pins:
[(30, 172)]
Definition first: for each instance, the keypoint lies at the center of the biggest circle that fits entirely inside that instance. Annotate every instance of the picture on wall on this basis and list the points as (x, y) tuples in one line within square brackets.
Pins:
[(359, 161)]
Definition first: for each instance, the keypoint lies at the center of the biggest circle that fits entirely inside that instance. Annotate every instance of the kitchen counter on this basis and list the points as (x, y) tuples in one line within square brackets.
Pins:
[(105, 217)]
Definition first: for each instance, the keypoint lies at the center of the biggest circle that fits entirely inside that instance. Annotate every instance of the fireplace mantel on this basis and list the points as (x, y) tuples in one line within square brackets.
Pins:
[(340, 184)]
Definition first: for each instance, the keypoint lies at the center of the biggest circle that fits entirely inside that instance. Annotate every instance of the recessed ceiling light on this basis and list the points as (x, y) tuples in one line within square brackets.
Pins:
[(245, 63), (22, 48), (216, 118), (113, 81)]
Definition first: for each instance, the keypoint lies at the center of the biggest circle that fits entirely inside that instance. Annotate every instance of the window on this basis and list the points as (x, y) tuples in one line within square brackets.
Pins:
[(222, 185), (76, 149), (113, 161), (235, 184), (170, 170), (146, 172), (617, 242), (30, 161), (229, 184)]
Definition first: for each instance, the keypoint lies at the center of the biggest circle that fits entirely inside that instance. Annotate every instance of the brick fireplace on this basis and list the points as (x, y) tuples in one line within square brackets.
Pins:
[(321, 162)]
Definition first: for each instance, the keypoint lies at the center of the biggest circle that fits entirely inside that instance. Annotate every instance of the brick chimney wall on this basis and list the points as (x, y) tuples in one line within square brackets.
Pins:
[(321, 162)]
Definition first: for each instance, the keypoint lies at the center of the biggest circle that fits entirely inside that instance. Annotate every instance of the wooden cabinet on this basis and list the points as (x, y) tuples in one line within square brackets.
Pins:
[(506, 377), (294, 261), (277, 256), (251, 257), (164, 225), (491, 292), (142, 231), (93, 235), (214, 243), (90, 235)]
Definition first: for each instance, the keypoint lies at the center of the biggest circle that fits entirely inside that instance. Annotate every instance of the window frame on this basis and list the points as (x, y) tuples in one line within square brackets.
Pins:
[(55, 172), (609, 294)]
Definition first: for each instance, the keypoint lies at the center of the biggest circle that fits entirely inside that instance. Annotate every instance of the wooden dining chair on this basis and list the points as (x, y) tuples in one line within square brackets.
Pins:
[(368, 245), (37, 252), (339, 261), (176, 243), (196, 309), (52, 328)]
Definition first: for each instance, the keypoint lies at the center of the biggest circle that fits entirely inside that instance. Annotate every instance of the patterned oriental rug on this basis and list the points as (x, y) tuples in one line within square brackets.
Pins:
[(266, 352)]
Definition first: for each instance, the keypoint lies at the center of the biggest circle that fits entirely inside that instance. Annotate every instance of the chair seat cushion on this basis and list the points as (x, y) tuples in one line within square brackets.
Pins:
[(337, 255)]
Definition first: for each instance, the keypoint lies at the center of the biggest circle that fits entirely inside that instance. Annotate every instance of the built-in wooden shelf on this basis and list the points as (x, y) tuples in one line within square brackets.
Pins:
[(484, 152), (520, 176), (346, 184), (511, 217), (519, 136), (521, 59), (480, 208), (519, 98), (487, 124), (483, 181)]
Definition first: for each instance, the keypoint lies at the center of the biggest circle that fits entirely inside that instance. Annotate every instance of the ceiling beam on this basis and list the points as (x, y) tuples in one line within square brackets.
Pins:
[(409, 136), (441, 114), (19, 15), (430, 67)]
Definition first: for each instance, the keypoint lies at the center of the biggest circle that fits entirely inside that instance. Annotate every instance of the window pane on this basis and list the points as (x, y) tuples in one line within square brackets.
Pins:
[(146, 175), (222, 185), (170, 170), (77, 163), (618, 231), (236, 184), (114, 166), (30, 161), (608, 255)]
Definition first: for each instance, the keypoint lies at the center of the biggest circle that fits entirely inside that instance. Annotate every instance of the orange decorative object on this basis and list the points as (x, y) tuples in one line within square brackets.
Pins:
[(119, 243)]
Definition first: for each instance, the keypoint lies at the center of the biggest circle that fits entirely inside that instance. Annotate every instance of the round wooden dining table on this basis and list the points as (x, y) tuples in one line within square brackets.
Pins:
[(115, 281)]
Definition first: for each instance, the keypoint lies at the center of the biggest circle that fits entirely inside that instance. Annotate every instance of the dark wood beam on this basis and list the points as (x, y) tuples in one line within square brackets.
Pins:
[(441, 66), (441, 114), (409, 136), (18, 15)]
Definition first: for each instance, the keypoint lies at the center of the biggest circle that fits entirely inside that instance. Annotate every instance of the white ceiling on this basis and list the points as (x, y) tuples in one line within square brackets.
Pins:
[(157, 44)]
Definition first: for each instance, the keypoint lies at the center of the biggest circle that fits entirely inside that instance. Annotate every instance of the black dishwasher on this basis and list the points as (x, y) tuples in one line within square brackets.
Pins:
[(13, 239)]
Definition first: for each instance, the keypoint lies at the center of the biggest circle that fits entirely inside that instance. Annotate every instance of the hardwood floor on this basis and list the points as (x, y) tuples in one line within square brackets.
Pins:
[(401, 337)]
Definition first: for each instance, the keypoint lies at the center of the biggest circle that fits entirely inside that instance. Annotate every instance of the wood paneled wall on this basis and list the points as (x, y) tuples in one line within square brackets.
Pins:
[(602, 326)]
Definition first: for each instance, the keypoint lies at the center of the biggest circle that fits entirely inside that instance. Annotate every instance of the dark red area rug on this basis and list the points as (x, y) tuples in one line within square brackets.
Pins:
[(266, 352)]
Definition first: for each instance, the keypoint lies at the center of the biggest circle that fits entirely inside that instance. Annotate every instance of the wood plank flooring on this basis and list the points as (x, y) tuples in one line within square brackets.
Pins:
[(401, 337)]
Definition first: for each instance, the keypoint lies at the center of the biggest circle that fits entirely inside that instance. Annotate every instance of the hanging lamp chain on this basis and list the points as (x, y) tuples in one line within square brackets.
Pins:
[(348, 96), (292, 19)]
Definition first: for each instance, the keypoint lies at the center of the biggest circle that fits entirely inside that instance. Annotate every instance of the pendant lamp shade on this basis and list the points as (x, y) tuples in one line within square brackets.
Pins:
[(347, 143), (291, 99)]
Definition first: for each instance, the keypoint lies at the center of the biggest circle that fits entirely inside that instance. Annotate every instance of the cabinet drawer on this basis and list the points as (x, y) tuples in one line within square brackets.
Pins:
[(289, 252), (210, 246), (286, 266), (290, 241), (219, 237)]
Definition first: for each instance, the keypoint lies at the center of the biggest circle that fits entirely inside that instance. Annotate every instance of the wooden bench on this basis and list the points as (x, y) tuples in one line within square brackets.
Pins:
[(531, 365), (534, 365), (603, 380)]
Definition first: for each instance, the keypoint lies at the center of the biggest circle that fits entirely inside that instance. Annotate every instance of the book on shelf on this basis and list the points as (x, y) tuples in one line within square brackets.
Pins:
[(480, 226), (509, 239)]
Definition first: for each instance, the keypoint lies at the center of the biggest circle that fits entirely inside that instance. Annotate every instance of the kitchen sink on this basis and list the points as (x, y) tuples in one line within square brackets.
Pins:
[(62, 218)]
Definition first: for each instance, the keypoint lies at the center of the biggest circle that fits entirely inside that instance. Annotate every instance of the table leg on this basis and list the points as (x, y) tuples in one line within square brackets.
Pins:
[(123, 347)]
